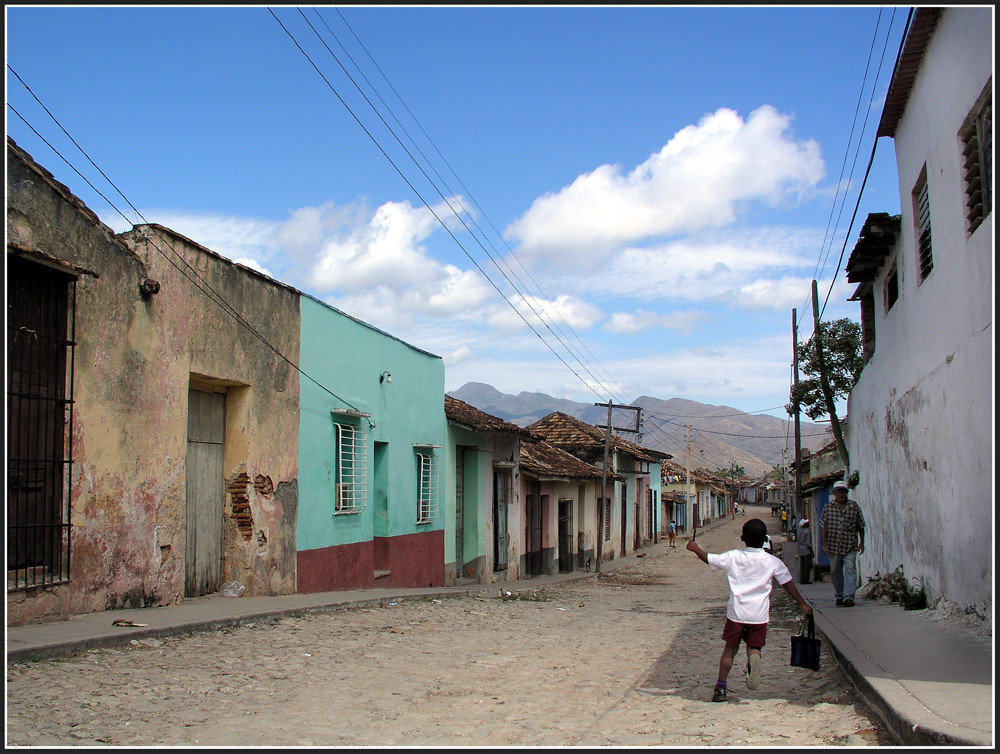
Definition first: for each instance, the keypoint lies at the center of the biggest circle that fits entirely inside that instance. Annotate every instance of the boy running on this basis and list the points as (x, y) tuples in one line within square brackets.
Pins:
[(749, 571)]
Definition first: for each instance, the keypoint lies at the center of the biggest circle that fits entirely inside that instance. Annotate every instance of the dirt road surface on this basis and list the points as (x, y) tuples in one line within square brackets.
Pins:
[(628, 658)]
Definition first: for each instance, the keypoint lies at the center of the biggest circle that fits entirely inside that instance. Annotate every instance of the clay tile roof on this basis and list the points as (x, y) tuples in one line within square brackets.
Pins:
[(544, 460), (568, 431), (460, 412), (562, 429)]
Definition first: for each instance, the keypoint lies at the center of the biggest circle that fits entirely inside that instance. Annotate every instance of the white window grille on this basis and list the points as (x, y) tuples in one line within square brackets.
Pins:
[(351, 491), (427, 494)]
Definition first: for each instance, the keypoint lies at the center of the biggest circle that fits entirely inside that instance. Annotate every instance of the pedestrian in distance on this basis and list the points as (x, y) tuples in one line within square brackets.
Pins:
[(672, 533), (750, 572), (804, 538), (784, 519), (842, 538)]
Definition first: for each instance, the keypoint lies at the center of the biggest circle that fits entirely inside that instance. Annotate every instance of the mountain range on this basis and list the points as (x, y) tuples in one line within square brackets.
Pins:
[(719, 436)]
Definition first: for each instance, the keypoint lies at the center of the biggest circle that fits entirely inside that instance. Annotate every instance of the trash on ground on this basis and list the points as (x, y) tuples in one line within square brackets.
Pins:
[(232, 589)]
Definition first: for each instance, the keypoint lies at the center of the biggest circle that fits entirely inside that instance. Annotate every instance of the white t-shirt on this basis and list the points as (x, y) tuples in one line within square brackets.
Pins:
[(749, 571)]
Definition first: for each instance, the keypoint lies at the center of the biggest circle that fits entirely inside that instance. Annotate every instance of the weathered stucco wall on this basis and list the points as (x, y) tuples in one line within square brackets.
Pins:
[(187, 340), (483, 450), (134, 361), (920, 418)]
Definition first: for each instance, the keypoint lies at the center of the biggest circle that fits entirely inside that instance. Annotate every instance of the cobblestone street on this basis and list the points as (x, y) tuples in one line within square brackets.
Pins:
[(627, 658)]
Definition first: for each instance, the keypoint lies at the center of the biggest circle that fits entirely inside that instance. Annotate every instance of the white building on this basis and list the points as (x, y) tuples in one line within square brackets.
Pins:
[(919, 429)]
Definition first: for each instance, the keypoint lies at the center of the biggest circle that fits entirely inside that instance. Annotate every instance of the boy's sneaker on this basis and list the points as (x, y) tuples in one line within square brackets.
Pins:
[(753, 671), (719, 695)]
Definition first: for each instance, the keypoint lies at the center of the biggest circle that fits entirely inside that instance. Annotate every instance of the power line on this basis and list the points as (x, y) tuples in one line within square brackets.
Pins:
[(511, 252), (190, 272), (416, 191)]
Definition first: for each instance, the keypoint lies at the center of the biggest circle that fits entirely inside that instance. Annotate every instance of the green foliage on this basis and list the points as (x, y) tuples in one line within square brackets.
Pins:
[(776, 474), (844, 361), (894, 587)]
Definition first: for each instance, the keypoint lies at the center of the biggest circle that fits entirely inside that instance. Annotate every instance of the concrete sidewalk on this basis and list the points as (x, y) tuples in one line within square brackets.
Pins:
[(929, 684)]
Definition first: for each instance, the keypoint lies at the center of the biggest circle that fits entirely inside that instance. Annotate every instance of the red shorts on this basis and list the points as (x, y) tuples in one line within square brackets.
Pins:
[(753, 634)]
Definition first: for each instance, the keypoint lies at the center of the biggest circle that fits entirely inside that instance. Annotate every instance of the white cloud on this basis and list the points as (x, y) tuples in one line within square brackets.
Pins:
[(683, 322), (719, 267), (253, 264), (459, 356), (244, 239), (564, 311), (374, 264), (698, 180)]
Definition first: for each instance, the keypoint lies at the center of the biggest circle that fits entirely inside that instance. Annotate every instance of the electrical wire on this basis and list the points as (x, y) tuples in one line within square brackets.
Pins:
[(419, 195), (512, 254), (190, 273)]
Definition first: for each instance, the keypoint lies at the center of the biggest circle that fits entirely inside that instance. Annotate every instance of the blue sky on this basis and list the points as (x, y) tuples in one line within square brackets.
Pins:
[(592, 202)]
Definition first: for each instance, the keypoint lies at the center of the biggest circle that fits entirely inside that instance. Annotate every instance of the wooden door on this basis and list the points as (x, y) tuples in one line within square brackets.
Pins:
[(502, 479), (459, 511), (205, 492), (565, 536)]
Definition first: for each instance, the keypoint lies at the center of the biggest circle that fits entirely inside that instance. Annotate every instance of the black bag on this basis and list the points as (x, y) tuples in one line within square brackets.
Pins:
[(805, 646)]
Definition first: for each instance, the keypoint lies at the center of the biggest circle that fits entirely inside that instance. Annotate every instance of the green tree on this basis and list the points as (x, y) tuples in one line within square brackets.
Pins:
[(843, 359)]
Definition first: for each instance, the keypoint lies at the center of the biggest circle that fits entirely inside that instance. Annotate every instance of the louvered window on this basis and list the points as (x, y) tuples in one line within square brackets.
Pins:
[(977, 162), (891, 289), (922, 212), (351, 490)]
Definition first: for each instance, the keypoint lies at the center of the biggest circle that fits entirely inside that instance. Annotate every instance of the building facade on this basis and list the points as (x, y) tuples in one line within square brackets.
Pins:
[(919, 430), (372, 434), (152, 438), (482, 495)]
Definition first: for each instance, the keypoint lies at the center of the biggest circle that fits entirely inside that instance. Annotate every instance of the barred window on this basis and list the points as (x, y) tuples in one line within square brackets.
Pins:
[(922, 221), (40, 342), (607, 519), (977, 160), (351, 490), (427, 492)]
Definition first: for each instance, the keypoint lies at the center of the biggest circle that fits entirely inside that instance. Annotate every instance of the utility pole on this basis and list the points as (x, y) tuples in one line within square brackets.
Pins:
[(797, 501), (602, 505), (732, 486), (689, 509)]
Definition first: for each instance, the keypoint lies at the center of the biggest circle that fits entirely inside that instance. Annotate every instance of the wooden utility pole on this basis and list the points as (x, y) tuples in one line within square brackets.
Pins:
[(688, 508), (797, 501), (602, 505)]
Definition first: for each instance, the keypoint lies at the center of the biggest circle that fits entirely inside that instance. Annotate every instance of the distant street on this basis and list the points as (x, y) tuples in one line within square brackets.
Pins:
[(625, 659)]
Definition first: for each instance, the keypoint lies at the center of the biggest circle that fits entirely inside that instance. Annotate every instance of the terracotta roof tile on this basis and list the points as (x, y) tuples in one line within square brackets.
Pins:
[(567, 431), (542, 459), (460, 412)]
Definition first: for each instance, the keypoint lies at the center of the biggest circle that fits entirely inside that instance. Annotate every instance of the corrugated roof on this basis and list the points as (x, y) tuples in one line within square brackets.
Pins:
[(460, 412), (917, 37), (545, 460)]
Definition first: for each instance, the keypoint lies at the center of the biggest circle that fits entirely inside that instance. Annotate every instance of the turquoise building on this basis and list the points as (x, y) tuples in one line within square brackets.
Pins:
[(372, 431)]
